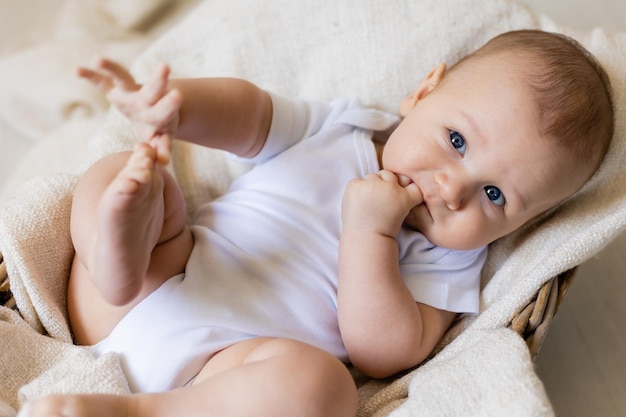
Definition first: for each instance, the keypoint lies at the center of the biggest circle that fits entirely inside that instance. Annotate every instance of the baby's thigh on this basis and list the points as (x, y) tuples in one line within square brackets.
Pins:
[(285, 371), (91, 317)]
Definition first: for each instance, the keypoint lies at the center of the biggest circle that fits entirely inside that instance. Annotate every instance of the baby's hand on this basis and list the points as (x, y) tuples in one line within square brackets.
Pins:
[(153, 109), (379, 203)]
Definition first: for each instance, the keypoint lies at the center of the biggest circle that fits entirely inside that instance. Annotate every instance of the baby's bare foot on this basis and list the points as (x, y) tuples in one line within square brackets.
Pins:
[(77, 406), (130, 219)]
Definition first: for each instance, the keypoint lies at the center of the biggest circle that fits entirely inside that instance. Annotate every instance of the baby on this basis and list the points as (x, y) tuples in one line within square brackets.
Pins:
[(356, 237)]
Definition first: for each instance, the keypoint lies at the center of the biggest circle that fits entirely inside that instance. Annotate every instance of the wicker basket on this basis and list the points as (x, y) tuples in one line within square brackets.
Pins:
[(6, 298), (532, 323)]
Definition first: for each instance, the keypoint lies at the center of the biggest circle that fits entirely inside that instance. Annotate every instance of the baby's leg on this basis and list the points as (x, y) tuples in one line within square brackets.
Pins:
[(259, 377), (129, 232)]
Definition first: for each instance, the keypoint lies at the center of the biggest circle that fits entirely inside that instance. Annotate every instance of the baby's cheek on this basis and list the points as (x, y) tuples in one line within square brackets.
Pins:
[(465, 233), (452, 230)]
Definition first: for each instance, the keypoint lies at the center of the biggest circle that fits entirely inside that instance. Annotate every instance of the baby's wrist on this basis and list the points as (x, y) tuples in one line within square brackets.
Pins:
[(368, 231)]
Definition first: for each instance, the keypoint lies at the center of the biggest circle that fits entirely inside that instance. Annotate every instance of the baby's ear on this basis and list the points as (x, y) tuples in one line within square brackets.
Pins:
[(426, 86)]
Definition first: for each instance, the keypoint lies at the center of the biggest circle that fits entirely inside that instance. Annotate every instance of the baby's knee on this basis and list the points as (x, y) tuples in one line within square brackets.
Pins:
[(326, 387), (335, 390)]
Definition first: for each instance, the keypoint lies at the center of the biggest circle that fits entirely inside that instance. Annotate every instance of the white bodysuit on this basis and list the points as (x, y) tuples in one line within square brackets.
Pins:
[(264, 262)]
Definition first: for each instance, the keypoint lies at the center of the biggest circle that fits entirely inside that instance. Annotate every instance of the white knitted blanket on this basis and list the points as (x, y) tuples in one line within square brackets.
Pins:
[(313, 49)]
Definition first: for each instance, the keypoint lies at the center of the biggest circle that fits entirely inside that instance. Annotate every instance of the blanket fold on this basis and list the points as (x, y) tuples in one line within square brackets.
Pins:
[(38, 252)]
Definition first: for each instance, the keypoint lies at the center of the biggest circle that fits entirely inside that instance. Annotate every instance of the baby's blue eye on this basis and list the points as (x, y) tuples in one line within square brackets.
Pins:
[(458, 142), (495, 195)]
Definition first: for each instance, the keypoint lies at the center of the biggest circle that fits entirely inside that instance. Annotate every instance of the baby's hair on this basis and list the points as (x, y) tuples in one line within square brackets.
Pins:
[(573, 90)]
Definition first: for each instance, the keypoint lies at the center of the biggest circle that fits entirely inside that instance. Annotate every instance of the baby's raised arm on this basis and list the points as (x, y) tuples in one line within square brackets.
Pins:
[(223, 113), (384, 330)]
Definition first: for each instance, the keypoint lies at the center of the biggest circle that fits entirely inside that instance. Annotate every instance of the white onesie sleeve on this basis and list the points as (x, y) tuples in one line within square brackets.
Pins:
[(442, 278), (292, 120)]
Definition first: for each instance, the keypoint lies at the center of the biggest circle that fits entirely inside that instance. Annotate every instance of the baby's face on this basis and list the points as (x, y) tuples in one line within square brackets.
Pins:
[(473, 148)]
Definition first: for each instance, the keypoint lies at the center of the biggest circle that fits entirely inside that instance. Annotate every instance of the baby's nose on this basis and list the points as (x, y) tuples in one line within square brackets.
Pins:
[(452, 190)]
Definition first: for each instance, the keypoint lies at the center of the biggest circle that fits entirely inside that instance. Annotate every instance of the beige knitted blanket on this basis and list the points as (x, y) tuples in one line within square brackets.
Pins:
[(313, 49)]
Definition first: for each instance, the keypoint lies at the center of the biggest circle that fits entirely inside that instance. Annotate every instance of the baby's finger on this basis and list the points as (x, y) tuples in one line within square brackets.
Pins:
[(388, 176), (415, 193), (163, 145), (120, 75), (103, 82), (156, 87), (404, 180), (163, 111), (145, 132)]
